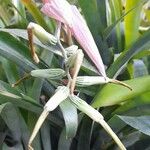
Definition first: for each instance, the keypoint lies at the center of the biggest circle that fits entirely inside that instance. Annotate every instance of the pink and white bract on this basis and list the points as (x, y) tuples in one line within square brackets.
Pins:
[(68, 14)]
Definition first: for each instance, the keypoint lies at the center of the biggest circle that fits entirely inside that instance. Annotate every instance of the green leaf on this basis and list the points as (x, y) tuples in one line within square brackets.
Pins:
[(11, 119), (138, 46), (91, 12), (84, 138), (131, 138), (139, 105), (111, 27), (6, 87), (35, 93), (20, 14), (11, 71), (45, 136), (141, 123), (24, 130), (15, 51), (23, 34), (64, 142), (132, 21), (17, 100), (101, 8), (140, 68), (70, 117), (116, 10), (32, 118), (35, 12), (115, 94), (9, 94), (141, 54)]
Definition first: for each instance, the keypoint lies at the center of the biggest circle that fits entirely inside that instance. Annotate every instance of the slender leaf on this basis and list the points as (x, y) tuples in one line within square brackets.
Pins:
[(95, 19), (115, 94), (23, 34), (32, 8), (141, 123), (70, 117), (45, 136), (139, 68), (11, 118), (137, 106), (90, 11), (132, 21), (138, 46), (116, 9), (64, 142), (85, 134), (8, 94), (15, 51)]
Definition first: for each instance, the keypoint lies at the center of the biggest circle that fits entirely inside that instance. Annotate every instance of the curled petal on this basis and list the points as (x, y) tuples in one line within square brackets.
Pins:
[(84, 37), (59, 10)]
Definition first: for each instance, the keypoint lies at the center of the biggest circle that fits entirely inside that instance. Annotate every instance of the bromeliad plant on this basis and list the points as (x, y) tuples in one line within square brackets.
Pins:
[(69, 88), (72, 20)]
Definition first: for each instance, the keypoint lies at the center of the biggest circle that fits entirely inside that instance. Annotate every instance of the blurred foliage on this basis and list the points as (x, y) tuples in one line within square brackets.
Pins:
[(121, 29)]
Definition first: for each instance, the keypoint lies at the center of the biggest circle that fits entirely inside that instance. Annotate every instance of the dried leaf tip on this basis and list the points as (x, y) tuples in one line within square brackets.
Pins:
[(120, 83), (20, 80)]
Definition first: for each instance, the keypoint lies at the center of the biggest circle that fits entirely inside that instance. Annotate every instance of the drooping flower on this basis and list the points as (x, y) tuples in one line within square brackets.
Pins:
[(68, 14), (83, 35)]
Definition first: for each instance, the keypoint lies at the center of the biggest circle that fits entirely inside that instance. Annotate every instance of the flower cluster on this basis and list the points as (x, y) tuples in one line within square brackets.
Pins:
[(69, 15)]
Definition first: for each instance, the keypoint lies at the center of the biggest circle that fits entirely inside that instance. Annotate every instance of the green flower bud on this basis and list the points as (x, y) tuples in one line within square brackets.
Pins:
[(71, 50), (48, 73), (83, 81), (45, 37)]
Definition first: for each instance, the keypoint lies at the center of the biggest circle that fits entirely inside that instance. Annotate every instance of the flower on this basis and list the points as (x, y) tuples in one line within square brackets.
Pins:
[(68, 14)]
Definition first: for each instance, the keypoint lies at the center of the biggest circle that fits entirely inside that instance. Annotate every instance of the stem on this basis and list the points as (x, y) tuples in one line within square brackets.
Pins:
[(66, 68), (38, 125), (20, 80), (112, 134), (57, 34)]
